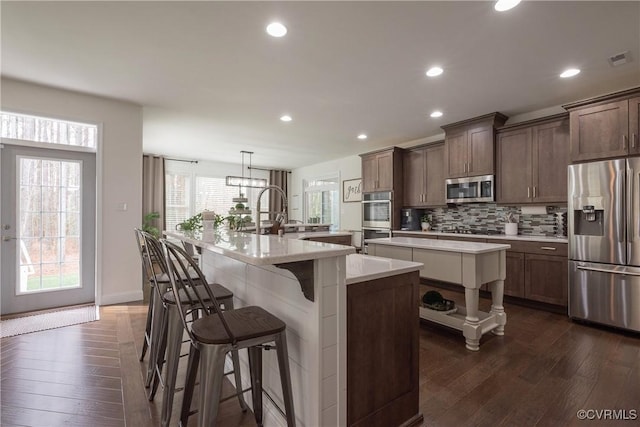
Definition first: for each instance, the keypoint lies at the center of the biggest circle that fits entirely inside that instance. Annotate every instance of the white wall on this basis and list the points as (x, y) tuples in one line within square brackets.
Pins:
[(119, 168), (347, 168)]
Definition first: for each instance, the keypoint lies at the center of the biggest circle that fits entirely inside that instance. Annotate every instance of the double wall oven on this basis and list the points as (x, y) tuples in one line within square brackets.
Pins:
[(377, 211)]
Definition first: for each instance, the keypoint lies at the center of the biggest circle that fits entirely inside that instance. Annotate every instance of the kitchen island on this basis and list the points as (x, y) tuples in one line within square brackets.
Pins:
[(468, 264), (324, 293)]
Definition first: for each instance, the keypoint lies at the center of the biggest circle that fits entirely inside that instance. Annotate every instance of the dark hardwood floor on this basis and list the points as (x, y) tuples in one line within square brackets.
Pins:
[(540, 373)]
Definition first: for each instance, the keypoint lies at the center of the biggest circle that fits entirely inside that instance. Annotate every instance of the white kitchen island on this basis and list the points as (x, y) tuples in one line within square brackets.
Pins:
[(304, 283), (468, 264)]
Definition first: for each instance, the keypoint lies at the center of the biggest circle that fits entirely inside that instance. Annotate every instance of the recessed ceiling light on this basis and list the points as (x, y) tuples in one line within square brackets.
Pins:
[(362, 136), (436, 114), (569, 72), (276, 29), (502, 5), (434, 71), (286, 118)]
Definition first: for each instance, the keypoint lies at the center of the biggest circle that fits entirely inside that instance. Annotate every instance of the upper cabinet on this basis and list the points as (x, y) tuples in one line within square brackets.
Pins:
[(423, 169), (605, 127), (382, 170), (469, 146), (532, 159)]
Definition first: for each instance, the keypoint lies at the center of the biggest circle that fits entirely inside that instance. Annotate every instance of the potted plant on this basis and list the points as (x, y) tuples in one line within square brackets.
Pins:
[(191, 224), (511, 224), (426, 221), (148, 224)]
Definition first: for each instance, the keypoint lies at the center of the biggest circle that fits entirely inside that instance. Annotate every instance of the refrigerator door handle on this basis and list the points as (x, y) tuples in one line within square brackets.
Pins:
[(607, 270), (620, 225), (631, 231)]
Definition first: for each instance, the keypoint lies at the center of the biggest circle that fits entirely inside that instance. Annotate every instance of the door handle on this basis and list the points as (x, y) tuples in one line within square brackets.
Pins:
[(624, 141), (528, 192), (604, 270), (548, 248), (8, 238), (634, 138), (534, 191)]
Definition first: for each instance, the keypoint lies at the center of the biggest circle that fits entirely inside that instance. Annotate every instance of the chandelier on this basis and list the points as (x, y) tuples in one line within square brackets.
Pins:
[(242, 181)]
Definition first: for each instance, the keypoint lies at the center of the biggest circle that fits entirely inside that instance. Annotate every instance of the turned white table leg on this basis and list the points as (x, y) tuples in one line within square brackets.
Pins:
[(471, 328), (497, 309)]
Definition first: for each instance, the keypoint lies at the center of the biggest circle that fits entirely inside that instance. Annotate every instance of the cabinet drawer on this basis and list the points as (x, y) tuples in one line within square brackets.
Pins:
[(542, 248)]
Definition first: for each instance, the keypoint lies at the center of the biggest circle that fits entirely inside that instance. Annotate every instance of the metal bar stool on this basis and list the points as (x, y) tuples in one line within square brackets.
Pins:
[(166, 321), (215, 334), (146, 279)]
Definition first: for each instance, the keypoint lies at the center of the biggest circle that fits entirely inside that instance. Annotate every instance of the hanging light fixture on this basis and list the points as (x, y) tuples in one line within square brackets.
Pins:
[(241, 181)]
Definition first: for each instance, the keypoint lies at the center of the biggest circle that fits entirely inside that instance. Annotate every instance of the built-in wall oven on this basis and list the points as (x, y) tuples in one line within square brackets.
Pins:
[(376, 210)]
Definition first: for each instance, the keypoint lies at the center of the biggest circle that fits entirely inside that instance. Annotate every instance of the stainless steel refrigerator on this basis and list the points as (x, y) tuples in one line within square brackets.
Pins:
[(604, 242)]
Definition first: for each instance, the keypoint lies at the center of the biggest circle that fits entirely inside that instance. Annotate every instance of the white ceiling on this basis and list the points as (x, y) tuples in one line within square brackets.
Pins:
[(213, 83)]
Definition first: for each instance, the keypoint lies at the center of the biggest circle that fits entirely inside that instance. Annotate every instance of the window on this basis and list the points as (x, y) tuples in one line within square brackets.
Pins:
[(188, 193), (322, 203), (53, 131)]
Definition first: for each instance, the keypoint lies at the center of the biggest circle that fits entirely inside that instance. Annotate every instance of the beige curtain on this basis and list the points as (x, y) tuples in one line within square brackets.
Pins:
[(153, 188), (278, 178)]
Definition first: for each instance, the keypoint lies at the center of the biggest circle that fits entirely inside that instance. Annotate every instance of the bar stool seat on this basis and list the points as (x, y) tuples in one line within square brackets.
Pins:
[(245, 323)]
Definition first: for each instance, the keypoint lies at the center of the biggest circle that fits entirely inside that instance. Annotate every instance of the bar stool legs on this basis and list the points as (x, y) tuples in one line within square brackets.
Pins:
[(173, 345), (211, 359)]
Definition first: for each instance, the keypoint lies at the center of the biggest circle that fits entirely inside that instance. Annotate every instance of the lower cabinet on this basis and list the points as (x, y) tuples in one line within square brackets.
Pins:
[(537, 271), (546, 278), (383, 386)]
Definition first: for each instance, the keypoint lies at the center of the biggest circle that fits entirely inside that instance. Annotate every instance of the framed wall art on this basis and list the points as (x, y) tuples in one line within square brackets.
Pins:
[(352, 190)]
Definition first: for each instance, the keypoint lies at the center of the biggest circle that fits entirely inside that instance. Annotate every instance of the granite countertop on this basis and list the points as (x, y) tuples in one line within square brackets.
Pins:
[(440, 245), (361, 268), (261, 250), (524, 237)]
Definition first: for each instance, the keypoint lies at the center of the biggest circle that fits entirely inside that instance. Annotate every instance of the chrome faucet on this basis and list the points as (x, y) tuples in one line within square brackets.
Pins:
[(258, 212)]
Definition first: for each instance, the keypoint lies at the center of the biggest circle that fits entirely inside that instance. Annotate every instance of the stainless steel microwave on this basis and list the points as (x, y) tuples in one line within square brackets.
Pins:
[(471, 189)]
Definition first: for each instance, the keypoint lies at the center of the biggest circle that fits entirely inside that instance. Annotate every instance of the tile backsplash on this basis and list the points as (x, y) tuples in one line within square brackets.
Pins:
[(489, 218)]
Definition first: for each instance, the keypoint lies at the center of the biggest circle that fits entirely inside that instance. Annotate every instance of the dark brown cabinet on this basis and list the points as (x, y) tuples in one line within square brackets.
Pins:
[(546, 278), (381, 170), (532, 161), (469, 146), (604, 127), (536, 271), (424, 176), (634, 125)]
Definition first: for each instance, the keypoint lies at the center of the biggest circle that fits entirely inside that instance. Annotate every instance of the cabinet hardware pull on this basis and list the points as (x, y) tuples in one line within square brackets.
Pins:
[(624, 142), (548, 248), (634, 138), (528, 192), (534, 191)]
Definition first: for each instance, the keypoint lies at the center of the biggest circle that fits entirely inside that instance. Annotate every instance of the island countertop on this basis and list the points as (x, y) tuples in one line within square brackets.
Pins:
[(440, 245), (260, 250), (362, 268)]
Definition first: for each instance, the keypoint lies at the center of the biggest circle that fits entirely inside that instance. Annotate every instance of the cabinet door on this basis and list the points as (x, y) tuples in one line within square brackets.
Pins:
[(550, 160), (634, 125), (600, 131), (456, 154), (369, 173), (513, 180), (413, 167), (514, 281), (546, 278), (435, 188), (385, 171), (481, 151)]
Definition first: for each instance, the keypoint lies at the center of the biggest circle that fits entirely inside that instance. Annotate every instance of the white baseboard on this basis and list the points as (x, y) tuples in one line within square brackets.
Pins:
[(121, 298)]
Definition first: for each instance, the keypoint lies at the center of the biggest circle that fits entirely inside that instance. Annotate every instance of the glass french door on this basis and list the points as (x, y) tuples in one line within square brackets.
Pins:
[(48, 228)]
